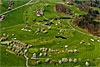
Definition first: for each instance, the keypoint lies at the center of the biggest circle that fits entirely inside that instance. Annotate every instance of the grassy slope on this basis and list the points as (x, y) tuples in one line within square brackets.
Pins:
[(8, 59), (76, 11), (11, 59), (48, 12), (85, 51), (77, 35), (13, 18), (4, 4)]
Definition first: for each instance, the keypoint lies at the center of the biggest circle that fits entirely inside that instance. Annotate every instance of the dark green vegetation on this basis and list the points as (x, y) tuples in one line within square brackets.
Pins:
[(26, 17), (91, 20)]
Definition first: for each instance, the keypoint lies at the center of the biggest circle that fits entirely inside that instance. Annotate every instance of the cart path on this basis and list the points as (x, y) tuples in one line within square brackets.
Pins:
[(16, 8), (12, 26), (26, 60), (81, 31)]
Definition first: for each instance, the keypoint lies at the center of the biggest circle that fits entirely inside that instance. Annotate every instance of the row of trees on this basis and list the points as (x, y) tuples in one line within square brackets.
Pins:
[(62, 9), (84, 7), (87, 22)]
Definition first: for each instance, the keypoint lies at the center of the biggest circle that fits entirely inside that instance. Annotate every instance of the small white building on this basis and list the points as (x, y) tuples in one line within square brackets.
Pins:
[(60, 62), (92, 40), (98, 40), (89, 44), (66, 46), (64, 60), (47, 60), (75, 60), (34, 55), (39, 12), (75, 50), (70, 60), (87, 63), (41, 54)]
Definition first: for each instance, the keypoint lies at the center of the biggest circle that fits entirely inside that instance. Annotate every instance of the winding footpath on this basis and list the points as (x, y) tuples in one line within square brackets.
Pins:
[(26, 60)]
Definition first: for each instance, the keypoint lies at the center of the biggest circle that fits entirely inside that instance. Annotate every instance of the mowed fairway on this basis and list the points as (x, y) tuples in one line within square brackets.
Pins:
[(8, 59), (15, 21), (13, 18), (4, 4)]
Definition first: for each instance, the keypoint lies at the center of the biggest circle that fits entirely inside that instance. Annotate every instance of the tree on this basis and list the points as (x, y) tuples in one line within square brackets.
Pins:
[(96, 1), (60, 8), (64, 0)]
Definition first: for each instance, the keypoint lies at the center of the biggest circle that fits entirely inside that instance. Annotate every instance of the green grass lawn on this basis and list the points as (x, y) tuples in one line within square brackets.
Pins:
[(75, 10), (85, 52), (8, 59), (4, 4), (11, 17), (15, 21)]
